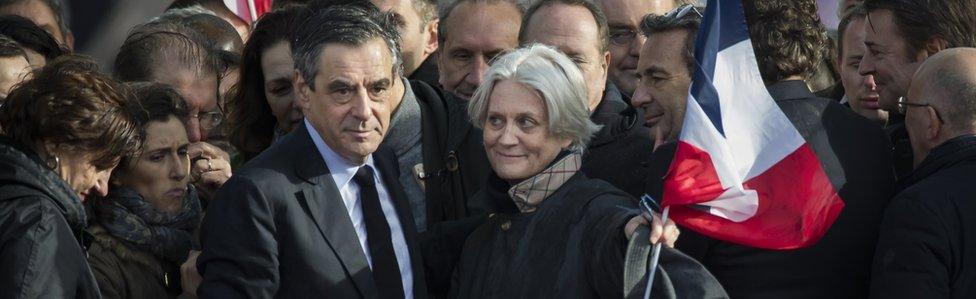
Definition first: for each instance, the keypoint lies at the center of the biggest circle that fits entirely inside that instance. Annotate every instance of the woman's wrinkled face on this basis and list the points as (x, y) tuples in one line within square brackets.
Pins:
[(278, 69), (516, 132), (160, 174)]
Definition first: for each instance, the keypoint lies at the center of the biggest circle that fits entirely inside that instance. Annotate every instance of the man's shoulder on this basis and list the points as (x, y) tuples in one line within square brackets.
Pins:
[(278, 161), (948, 188)]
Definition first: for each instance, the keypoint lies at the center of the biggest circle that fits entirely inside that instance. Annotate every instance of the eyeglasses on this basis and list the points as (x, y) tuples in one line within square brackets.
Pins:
[(682, 11), (623, 36), (903, 105), (209, 120)]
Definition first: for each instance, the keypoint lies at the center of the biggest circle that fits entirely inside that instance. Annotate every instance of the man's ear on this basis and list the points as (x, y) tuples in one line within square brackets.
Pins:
[(302, 91), (935, 126), (932, 46), (431, 45)]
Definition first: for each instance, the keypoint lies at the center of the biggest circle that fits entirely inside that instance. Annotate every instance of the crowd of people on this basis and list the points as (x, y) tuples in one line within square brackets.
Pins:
[(466, 149)]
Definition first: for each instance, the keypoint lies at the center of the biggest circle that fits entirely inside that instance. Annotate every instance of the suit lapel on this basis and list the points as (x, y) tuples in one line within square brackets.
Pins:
[(322, 201), (385, 160)]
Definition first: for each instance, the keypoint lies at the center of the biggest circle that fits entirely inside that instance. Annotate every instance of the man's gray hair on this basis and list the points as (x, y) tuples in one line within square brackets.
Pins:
[(352, 24), (447, 7), (690, 22), (557, 81)]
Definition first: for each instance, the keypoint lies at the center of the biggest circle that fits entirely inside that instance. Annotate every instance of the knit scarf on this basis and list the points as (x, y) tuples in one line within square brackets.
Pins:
[(138, 223)]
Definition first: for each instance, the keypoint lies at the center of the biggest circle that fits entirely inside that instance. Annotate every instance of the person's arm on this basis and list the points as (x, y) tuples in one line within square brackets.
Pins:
[(913, 254), (35, 245), (240, 254), (605, 245)]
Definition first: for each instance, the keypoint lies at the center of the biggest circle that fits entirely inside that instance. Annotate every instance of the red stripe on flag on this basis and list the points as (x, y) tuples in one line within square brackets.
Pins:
[(797, 203)]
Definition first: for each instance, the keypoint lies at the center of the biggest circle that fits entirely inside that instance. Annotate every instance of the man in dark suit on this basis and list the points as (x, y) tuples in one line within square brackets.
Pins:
[(321, 213)]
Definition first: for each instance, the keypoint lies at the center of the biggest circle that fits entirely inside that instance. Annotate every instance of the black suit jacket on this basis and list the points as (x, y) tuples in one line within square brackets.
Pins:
[(278, 228)]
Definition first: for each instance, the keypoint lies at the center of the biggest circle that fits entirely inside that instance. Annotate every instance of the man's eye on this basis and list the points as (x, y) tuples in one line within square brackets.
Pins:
[(462, 56)]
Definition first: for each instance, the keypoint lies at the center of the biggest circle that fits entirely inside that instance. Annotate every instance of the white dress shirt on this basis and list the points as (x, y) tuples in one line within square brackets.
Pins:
[(342, 174)]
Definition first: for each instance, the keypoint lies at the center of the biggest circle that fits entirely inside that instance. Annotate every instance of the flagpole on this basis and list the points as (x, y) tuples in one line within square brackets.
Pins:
[(252, 10), (655, 255)]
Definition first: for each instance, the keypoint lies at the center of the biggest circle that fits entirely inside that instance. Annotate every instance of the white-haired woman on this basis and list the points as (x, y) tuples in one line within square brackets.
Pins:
[(554, 232)]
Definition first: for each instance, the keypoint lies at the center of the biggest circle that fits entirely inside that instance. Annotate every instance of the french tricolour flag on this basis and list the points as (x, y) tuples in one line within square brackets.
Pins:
[(742, 172), (249, 10)]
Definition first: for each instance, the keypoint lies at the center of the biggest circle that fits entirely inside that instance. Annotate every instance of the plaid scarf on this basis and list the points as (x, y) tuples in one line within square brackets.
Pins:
[(136, 222), (529, 193)]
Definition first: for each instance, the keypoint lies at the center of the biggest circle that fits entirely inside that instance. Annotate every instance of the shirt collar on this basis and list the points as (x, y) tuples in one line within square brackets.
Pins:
[(341, 170)]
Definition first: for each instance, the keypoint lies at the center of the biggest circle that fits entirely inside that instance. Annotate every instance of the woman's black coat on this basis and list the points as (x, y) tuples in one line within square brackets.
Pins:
[(41, 223), (571, 246)]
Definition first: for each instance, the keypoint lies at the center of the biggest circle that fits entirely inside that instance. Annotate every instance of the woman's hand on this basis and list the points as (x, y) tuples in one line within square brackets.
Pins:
[(210, 167), (190, 278), (660, 232)]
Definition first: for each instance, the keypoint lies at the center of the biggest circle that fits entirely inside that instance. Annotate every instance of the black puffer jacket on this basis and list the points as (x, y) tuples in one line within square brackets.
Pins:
[(41, 223), (927, 247)]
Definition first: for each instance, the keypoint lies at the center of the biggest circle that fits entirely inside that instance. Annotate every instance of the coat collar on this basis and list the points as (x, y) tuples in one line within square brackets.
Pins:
[(947, 154), (790, 90), (615, 115), (529, 193)]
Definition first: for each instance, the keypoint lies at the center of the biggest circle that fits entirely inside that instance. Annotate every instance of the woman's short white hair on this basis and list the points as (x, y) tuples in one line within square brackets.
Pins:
[(555, 78)]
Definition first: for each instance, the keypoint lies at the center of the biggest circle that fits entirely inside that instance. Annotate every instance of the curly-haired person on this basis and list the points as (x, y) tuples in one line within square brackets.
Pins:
[(788, 40)]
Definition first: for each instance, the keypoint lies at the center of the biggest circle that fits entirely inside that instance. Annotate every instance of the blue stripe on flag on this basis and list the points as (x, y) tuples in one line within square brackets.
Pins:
[(723, 26)]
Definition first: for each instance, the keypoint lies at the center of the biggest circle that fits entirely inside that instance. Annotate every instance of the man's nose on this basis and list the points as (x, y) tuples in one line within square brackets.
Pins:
[(477, 71), (194, 130), (360, 106), (866, 66), (869, 83)]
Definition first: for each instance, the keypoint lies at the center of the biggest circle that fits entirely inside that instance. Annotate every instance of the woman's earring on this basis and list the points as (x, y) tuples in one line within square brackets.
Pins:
[(57, 164)]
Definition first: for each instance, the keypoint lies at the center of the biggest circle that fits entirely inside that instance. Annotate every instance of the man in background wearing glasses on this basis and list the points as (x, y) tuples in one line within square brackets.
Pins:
[(623, 18), (925, 247)]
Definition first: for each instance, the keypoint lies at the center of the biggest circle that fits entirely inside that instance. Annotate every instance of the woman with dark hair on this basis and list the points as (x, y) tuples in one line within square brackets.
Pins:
[(64, 132), (144, 229), (262, 110)]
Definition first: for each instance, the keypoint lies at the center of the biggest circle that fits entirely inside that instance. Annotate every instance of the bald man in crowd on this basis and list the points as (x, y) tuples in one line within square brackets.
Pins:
[(926, 248)]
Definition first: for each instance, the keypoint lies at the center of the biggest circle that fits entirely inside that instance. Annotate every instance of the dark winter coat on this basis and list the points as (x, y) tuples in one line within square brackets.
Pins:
[(455, 168), (42, 221), (427, 72), (571, 246), (927, 246), (124, 272), (855, 155), (618, 153)]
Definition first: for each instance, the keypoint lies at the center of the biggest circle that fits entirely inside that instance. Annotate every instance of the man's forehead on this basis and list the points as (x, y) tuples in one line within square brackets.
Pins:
[(355, 62), (480, 13), (628, 13), (559, 22), (664, 51)]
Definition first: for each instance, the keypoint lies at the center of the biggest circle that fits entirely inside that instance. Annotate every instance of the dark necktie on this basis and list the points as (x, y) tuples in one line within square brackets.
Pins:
[(386, 271)]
